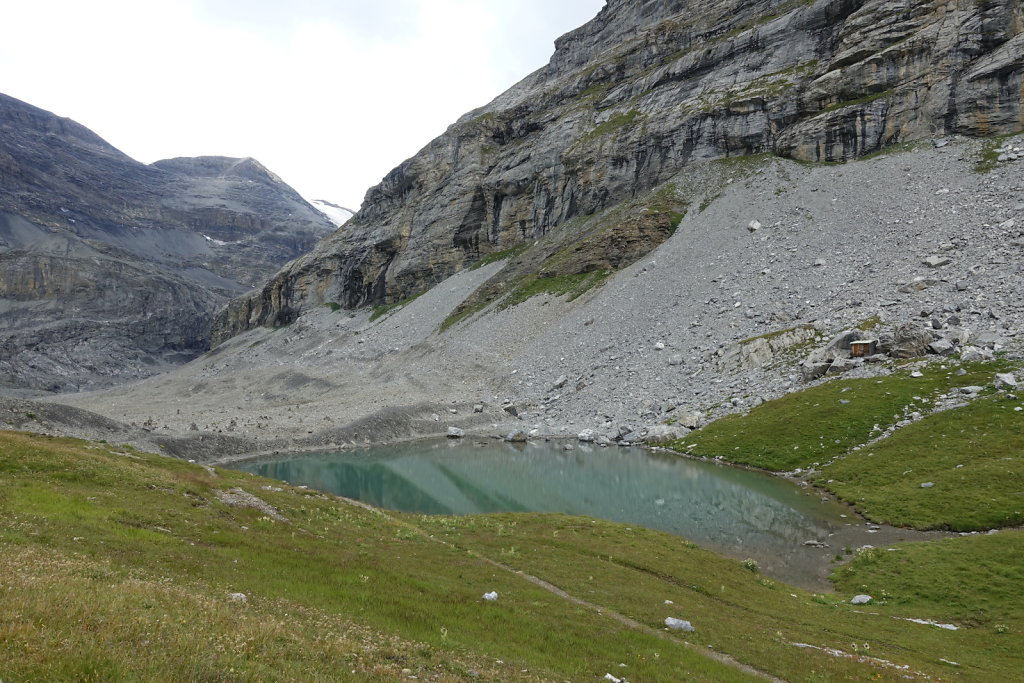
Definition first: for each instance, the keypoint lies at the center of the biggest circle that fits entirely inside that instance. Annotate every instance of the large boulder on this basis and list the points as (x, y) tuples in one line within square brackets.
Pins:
[(664, 433), (907, 341), (516, 436)]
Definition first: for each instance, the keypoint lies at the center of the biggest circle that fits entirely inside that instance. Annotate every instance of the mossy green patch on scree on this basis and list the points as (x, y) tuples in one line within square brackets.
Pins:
[(120, 565), (580, 255), (387, 309), (502, 255)]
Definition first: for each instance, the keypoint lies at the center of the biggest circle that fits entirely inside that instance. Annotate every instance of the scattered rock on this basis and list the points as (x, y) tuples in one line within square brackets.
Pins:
[(918, 284), (238, 597), (679, 625), (456, 433), (689, 420), (907, 341), (1006, 379), (240, 498), (937, 261), (841, 365), (987, 340), (861, 599), (662, 433), (942, 347), (586, 436), (972, 354), (629, 439), (516, 436)]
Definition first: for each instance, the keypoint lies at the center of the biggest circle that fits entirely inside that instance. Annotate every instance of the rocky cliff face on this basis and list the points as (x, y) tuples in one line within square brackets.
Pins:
[(111, 269), (639, 93)]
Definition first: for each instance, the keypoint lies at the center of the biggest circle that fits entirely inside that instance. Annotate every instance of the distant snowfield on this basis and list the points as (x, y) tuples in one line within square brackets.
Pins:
[(339, 215), (219, 243)]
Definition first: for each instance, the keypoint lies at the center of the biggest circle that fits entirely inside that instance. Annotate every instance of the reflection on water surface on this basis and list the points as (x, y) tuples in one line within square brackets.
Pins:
[(738, 512)]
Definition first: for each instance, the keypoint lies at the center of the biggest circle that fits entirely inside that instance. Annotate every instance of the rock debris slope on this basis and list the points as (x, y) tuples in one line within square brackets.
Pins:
[(621, 241), (635, 96), (111, 269), (693, 330)]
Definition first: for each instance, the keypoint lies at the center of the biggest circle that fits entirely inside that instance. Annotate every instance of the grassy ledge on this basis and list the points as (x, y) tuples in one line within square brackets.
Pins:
[(387, 309), (988, 157), (968, 458), (502, 255)]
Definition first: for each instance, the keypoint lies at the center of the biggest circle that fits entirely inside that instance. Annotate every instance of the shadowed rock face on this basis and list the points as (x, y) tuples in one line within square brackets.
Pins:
[(111, 269), (638, 93)]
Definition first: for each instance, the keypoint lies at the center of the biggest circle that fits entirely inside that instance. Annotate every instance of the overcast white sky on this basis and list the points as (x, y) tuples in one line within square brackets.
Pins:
[(328, 94)]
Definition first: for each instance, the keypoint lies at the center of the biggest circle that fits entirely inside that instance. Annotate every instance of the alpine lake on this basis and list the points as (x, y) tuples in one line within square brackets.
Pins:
[(740, 513)]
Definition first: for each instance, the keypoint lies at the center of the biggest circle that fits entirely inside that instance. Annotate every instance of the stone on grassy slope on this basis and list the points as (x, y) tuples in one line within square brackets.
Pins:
[(679, 625), (1006, 379)]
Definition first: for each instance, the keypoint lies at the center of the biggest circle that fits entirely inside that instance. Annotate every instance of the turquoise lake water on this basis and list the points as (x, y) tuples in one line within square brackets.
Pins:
[(737, 512)]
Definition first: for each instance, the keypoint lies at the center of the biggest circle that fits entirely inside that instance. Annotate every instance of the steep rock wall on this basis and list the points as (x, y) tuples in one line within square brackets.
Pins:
[(638, 93)]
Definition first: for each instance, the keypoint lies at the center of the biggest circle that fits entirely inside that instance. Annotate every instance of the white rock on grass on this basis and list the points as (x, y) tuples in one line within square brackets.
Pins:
[(1006, 379), (860, 599), (679, 624), (491, 596), (238, 597)]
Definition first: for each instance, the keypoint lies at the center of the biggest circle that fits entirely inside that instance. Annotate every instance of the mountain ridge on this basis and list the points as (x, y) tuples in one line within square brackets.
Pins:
[(111, 269)]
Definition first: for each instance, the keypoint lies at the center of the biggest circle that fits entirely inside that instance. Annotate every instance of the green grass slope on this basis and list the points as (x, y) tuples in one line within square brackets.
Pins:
[(117, 565), (971, 458)]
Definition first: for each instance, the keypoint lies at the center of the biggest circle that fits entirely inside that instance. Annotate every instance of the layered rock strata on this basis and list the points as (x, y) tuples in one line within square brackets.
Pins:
[(639, 93), (111, 269)]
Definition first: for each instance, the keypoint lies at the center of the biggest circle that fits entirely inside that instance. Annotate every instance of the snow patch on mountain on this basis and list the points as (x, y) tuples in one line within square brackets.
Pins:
[(339, 215)]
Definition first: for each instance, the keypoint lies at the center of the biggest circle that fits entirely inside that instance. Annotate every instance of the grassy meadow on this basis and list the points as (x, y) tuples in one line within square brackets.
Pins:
[(117, 565)]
